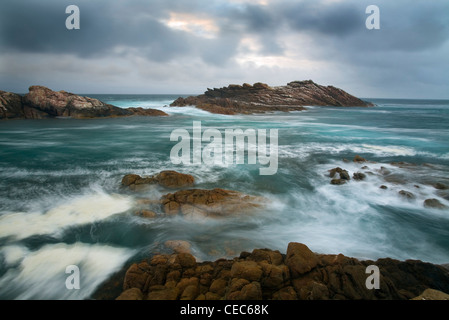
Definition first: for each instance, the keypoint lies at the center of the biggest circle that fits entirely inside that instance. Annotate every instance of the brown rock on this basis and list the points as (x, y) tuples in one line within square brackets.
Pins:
[(434, 203), (190, 293), (211, 203), (147, 214), (274, 277), (186, 260), (407, 195), (173, 276), (166, 179), (212, 296), (185, 282), (159, 259), (338, 182), (251, 291), (164, 294), (300, 259), (248, 270), (130, 179), (359, 159), (136, 276), (270, 256), (287, 293), (359, 176), (218, 286), (47, 103), (260, 98), (237, 284), (131, 294), (178, 246), (430, 294), (383, 187), (344, 175), (173, 179), (441, 186), (11, 106)]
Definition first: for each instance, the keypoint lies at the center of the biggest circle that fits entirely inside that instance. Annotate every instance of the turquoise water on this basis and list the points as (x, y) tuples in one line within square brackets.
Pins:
[(61, 202)]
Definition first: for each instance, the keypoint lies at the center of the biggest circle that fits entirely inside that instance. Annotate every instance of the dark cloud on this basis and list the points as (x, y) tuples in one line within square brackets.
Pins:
[(412, 41)]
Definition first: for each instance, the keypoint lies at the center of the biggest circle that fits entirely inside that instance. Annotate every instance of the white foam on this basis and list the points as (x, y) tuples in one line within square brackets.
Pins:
[(41, 274), (13, 254), (77, 211)]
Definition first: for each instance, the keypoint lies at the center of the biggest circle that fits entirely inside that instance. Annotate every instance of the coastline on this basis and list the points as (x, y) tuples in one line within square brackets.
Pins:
[(264, 274)]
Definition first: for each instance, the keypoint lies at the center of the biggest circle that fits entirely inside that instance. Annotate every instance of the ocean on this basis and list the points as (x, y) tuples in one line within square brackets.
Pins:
[(61, 203)]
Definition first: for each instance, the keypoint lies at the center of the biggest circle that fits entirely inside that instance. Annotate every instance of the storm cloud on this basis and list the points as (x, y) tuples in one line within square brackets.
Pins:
[(185, 46)]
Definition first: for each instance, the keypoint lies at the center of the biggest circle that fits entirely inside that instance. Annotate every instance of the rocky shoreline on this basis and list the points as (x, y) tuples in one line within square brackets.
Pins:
[(265, 274), (172, 272), (43, 103), (261, 98)]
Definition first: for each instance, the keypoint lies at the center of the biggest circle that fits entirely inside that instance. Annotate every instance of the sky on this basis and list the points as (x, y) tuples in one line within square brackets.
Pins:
[(187, 46)]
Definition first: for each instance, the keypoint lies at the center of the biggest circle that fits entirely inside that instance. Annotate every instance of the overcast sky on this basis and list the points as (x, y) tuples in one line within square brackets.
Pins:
[(186, 46)]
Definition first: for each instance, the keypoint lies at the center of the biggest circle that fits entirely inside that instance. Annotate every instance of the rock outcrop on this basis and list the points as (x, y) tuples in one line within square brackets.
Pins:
[(197, 203), (168, 179), (42, 102), (260, 98), (267, 274)]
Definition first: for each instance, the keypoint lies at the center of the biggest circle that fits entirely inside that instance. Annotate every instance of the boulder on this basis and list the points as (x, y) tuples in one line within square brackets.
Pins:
[(359, 159), (148, 214), (441, 186), (434, 203), (248, 270), (406, 194), (344, 175), (300, 259), (359, 176), (163, 294), (136, 276), (338, 182), (131, 294)]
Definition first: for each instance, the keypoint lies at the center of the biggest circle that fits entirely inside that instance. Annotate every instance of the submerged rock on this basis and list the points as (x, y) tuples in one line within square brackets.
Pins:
[(359, 159), (407, 195), (260, 98), (441, 186), (344, 175), (359, 176), (208, 203), (434, 203), (178, 246), (266, 274)]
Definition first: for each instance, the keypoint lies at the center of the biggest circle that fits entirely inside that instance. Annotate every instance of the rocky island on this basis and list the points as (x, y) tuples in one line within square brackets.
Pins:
[(261, 98), (41, 103)]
